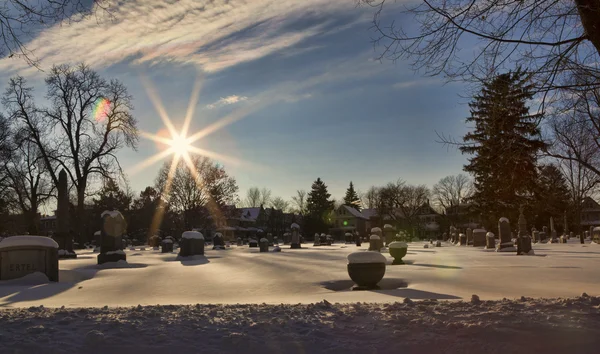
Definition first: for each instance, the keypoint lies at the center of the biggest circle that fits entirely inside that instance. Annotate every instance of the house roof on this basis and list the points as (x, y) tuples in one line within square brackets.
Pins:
[(250, 213), (354, 212), (367, 213)]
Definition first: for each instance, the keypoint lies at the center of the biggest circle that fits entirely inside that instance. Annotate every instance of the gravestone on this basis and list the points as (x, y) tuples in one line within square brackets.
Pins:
[(270, 238), (553, 234), (218, 241), (239, 241), (23, 255), (586, 234), (166, 246), (462, 239), (388, 233), (438, 243), (596, 234), (154, 241), (544, 234), (323, 240), (571, 234), (317, 240), (581, 239), (252, 243), (490, 241), (374, 243), (506, 244), (113, 228), (191, 244), (469, 236), (444, 237), (263, 245), (377, 231), (349, 238), (523, 239), (536, 236), (295, 244), (63, 230), (479, 238)]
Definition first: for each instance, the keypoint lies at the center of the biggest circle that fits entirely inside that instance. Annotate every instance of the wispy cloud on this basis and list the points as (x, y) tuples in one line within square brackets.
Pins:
[(223, 101), (213, 35), (416, 83)]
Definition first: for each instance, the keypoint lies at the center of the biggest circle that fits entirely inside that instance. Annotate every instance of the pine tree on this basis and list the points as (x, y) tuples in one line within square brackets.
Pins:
[(504, 143), (318, 206), (351, 199), (551, 195)]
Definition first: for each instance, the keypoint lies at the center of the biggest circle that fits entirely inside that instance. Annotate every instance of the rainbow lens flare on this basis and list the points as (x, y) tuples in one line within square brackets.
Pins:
[(101, 109)]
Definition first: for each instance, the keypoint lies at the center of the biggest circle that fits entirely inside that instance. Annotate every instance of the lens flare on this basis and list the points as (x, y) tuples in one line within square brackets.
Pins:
[(101, 109)]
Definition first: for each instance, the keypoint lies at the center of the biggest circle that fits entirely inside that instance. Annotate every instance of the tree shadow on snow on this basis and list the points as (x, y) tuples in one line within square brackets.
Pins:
[(436, 266), (191, 260), (417, 294), (346, 285)]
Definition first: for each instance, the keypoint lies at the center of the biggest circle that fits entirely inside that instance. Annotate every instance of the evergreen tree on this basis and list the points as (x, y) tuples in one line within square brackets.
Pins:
[(111, 197), (351, 199), (505, 141), (318, 206), (551, 196)]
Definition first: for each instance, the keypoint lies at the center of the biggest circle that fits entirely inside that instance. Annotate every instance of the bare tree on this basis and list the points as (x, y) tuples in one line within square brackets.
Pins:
[(252, 197), (29, 181), (552, 39), (265, 196), (300, 202), (370, 199), (451, 190), (20, 20), (403, 200), (279, 203), (197, 192), (88, 121)]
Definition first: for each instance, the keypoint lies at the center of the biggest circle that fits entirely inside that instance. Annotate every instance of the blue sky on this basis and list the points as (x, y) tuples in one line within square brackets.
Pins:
[(315, 102)]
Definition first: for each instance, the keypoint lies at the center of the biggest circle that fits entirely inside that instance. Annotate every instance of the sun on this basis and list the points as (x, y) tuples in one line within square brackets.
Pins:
[(180, 144)]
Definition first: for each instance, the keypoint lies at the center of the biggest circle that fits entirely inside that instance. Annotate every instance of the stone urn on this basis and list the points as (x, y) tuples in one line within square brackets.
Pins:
[(366, 269), (398, 250)]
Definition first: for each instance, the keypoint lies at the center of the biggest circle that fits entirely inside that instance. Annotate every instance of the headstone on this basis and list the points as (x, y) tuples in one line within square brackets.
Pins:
[(63, 231), (479, 238), (295, 244), (586, 234), (317, 240), (581, 239), (388, 233), (571, 234), (329, 240), (270, 238), (469, 236), (191, 244), (167, 245), (252, 243), (113, 228), (349, 238), (506, 244), (323, 240), (374, 243), (23, 255), (218, 241), (154, 241), (536, 236), (553, 234), (544, 234), (263, 245), (377, 231), (444, 237), (239, 241), (596, 234), (438, 243), (462, 239), (523, 239), (490, 241)]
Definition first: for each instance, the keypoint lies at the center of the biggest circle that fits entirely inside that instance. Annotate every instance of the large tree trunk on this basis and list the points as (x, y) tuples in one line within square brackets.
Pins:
[(589, 11)]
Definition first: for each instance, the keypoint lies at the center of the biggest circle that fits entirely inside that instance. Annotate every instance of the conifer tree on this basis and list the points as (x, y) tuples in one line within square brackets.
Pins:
[(318, 206), (504, 144), (351, 199)]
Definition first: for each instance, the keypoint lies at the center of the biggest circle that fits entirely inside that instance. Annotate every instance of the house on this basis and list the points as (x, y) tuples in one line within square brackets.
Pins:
[(347, 219), (47, 225), (590, 213), (461, 216), (428, 222)]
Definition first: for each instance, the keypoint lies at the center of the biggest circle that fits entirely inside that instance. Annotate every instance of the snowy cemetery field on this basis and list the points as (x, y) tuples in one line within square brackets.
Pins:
[(300, 301)]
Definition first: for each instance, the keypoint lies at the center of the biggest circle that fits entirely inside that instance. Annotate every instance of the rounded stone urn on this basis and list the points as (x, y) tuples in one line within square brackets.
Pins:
[(398, 250), (366, 269)]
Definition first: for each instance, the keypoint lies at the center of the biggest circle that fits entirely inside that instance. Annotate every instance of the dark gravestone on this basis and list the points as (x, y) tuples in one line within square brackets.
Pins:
[(166, 246), (252, 243), (218, 242), (113, 227), (63, 231), (23, 255), (295, 236), (191, 244), (348, 238), (536, 236), (239, 241), (462, 239), (374, 243), (505, 236), (479, 238), (523, 244), (263, 245), (469, 236), (154, 241), (581, 239), (490, 241), (544, 234)]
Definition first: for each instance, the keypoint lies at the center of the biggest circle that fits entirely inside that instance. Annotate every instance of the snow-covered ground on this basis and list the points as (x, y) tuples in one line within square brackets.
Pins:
[(308, 275), (198, 297)]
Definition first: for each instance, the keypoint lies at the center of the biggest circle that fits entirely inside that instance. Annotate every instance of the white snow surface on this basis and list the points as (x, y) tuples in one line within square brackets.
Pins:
[(297, 276), (116, 252), (374, 237), (490, 234), (111, 213), (398, 244), (195, 235), (28, 240), (98, 233), (366, 257), (479, 230), (263, 240), (375, 229), (388, 226), (167, 240), (503, 219)]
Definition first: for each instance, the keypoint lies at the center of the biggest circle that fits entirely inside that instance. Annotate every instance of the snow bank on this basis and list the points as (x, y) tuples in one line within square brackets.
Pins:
[(375, 229), (167, 240), (374, 237), (490, 234), (42, 241), (366, 257), (295, 226), (193, 235), (264, 240), (503, 219), (387, 226), (29, 279)]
